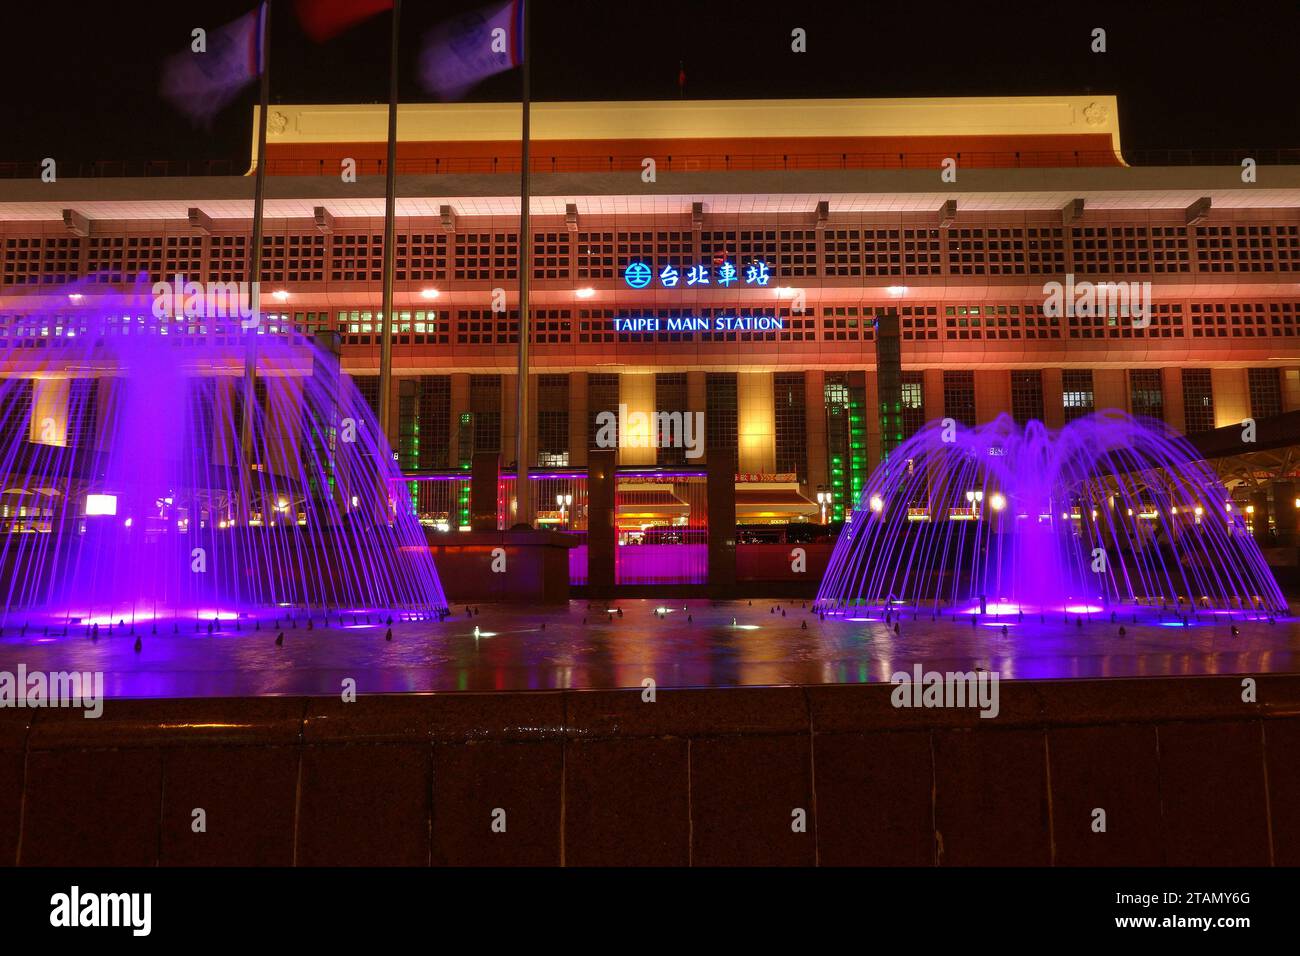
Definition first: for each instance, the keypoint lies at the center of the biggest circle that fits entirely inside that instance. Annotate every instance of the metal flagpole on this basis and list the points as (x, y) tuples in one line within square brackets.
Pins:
[(255, 265), (523, 491), (390, 241)]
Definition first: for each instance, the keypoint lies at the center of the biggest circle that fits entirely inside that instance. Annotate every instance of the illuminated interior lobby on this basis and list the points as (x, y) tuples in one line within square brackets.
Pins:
[(726, 258)]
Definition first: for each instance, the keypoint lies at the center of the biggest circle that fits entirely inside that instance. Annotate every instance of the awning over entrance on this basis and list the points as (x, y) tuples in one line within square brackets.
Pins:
[(762, 502)]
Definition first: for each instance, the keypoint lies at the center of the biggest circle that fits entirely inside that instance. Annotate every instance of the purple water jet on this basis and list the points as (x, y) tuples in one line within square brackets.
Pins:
[(1000, 520), (135, 489)]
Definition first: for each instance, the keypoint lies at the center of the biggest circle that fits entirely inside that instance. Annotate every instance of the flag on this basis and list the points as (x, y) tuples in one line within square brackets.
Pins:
[(325, 19), (202, 83), (462, 52)]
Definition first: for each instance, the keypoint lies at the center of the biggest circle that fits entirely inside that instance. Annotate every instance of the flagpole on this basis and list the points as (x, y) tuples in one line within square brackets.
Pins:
[(523, 490), (389, 326), (255, 266)]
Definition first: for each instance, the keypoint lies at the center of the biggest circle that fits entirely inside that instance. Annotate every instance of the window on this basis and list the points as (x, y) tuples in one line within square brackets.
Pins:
[(1146, 394), (485, 409), (790, 406), (1027, 397), (1265, 391), (670, 396), (435, 421), (1198, 400), (1076, 393), (913, 394), (16, 412), (959, 397), (552, 420), (721, 412)]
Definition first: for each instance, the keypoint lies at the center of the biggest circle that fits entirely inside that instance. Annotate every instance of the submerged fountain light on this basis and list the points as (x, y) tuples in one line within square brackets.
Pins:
[(148, 495), (1102, 526)]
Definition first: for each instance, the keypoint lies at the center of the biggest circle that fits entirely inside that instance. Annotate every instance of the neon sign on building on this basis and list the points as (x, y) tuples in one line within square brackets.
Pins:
[(700, 323), (640, 275)]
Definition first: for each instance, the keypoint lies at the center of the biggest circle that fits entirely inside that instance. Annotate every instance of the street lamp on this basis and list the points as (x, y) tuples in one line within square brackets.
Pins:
[(563, 502), (823, 499)]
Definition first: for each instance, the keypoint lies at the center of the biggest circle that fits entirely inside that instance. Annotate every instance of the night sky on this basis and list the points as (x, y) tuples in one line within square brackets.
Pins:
[(80, 81)]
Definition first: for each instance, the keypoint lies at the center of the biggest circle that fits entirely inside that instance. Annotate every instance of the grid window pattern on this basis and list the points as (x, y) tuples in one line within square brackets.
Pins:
[(1166, 321), (1000, 321), (758, 245), (40, 259), (83, 412), (1076, 393), (421, 257), (487, 255), (919, 323), (912, 390), (1146, 393), (485, 327), (790, 423), (847, 323), (595, 256), (798, 252), (959, 396), (595, 325), (602, 396), (550, 255), (721, 412), (1198, 400), (122, 258), (1248, 248), (719, 244), (551, 326), (1216, 320), (1265, 391), (16, 413), (842, 252), (227, 258), (485, 407), (434, 413), (184, 257), (1131, 249), (1006, 251), (1027, 396), (670, 396), (357, 258), (552, 421), (368, 387), (796, 328)]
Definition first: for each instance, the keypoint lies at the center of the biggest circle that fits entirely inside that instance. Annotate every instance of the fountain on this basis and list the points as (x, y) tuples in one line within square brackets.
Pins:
[(134, 488), (1110, 514)]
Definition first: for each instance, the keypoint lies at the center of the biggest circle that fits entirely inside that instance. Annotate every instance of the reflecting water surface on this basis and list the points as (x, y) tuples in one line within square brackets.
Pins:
[(685, 644)]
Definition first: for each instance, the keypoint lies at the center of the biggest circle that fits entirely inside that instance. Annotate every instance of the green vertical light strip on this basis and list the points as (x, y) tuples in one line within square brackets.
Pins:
[(857, 477)]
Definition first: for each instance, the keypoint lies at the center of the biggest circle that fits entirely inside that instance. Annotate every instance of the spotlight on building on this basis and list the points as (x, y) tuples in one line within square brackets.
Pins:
[(280, 295), (74, 296), (586, 292), (897, 290), (429, 293)]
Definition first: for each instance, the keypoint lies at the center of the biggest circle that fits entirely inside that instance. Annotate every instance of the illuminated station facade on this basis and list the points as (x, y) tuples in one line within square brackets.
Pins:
[(732, 259)]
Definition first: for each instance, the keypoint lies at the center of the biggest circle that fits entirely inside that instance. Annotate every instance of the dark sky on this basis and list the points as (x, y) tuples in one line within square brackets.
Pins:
[(79, 81)]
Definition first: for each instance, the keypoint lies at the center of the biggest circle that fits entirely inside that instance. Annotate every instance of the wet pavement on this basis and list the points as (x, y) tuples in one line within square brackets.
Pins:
[(695, 644)]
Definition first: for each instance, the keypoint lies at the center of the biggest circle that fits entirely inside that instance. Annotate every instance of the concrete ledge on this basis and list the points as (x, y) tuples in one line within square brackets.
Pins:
[(1187, 773)]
